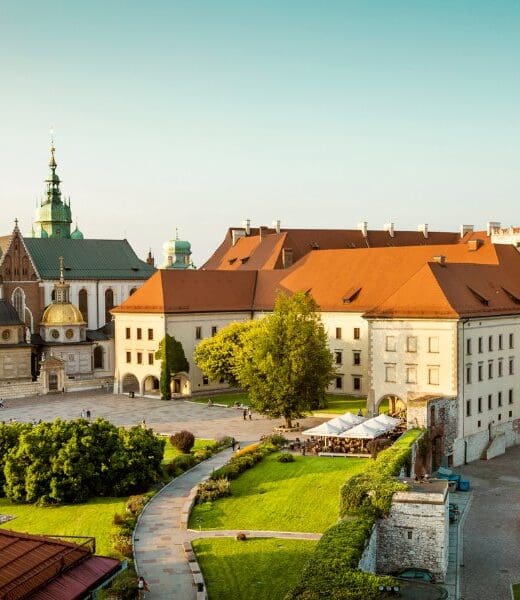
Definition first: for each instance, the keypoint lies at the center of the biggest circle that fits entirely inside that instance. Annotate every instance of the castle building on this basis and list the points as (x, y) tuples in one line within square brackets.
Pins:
[(433, 328), (100, 273)]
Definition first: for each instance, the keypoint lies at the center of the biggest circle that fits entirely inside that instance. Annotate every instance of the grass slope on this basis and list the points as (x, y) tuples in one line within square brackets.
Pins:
[(93, 518), (256, 569), (228, 399), (298, 496)]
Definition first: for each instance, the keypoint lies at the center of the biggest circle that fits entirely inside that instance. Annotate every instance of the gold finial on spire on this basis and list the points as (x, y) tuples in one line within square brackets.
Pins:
[(62, 276)]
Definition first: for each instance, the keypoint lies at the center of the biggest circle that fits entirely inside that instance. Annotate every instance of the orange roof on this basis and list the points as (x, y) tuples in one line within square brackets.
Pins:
[(180, 291), (378, 282), (266, 252)]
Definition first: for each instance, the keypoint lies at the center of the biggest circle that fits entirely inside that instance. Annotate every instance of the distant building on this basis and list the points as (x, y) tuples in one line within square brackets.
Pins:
[(177, 254)]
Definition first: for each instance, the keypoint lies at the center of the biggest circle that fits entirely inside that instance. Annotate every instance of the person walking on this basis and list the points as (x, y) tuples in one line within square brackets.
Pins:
[(249, 414), (142, 587), (88, 414), (245, 414), (233, 444), (1, 403)]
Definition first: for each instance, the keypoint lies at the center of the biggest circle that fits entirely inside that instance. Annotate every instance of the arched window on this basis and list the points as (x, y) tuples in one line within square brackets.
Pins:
[(98, 357), (134, 289), (18, 300), (83, 304), (53, 295), (109, 304)]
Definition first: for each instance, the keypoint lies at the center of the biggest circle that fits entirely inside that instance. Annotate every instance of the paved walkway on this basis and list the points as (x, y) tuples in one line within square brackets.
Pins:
[(455, 550), (194, 534), (159, 535)]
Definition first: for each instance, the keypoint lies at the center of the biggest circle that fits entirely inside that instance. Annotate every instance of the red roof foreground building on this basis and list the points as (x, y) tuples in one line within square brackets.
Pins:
[(45, 568)]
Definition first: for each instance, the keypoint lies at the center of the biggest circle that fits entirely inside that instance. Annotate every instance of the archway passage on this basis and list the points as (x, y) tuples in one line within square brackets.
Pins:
[(393, 405), (130, 383), (98, 357), (180, 384), (53, 382), (151, 385)]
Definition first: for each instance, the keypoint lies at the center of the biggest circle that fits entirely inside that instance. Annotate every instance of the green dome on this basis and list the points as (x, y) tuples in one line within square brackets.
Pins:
[(181, 246), (76, 234)]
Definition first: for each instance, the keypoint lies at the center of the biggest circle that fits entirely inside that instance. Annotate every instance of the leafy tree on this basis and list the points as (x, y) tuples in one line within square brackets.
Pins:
[(216, 356), (9, 436), (173, 360), (285, 363)]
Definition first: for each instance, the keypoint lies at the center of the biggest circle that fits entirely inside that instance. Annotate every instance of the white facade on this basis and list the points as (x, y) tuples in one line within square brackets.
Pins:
[(96, 290)]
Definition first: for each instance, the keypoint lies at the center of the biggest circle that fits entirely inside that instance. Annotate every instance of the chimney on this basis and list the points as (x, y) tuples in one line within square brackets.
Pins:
[(262, 230), (473, 245), (390, 228), (491, 226), (423, 228), (465, 229), (276, 225), (247, 226), (287, 258), (236, 234), (363, 227), (441, 260)]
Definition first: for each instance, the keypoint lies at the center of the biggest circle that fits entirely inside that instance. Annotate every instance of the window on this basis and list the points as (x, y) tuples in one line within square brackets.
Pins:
[(468, 346), (499, 398), (511, 366), (390, 343), (468, 373), (338, 333), (510, 413), (338, 357), (490, 369), (339, 383), (98, 357), (83, 304), (511, 341), (150, 358), (500, 367), (150, 334), (205, 380), (480, 372), (490, 401), (433, 375), (499, 416), (127, 333), (357, 333), (490, 343), (390, 373), (411, 374), (18, 299), (510, 396), (500, 341), (356, 383), (409, 533), (479, 423), (411, 343), (128, 357), (468, 408), (480, 406), (356, 357), (139, 358), (109, 304), (480, 345), (198, 333), (433, 344), (139, 333), (213, 330)]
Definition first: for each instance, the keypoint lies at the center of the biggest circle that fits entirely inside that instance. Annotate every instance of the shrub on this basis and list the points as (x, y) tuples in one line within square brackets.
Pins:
[(184, 461), (241, 536), (135, 504), (123, 544), (213, 489), (247, 449), (286, 457), (122, 587), (375, 446), (118, 519), (275, 439), (183, 441), (201, 455), (224, 442)]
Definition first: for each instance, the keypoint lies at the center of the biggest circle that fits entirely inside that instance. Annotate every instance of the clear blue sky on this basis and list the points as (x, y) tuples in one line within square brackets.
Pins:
[(198, 114)]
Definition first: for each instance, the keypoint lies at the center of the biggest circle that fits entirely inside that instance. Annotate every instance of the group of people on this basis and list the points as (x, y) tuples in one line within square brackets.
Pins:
[(247, 413), (86, 414)]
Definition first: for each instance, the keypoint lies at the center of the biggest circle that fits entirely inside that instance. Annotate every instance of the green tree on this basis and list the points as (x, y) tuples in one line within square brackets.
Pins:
[(216, 356), (285, 363), (173, 360)]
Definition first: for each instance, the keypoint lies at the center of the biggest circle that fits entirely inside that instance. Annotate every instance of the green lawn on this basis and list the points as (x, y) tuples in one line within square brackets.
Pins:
[(228, 399), (255, 569), (516, 591), (170, 451), (298, 496), (91, 519)]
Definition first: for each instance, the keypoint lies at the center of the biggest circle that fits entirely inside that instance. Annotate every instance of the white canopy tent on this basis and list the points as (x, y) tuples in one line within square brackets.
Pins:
[(346, 421), (385, 419), (364, 431), (324, 430)]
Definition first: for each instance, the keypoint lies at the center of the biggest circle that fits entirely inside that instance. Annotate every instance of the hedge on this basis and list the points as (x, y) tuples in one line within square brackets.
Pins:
[(332, 572)]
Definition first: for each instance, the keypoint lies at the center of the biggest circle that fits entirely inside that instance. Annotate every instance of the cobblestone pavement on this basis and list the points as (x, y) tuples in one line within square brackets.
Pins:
[(491, 532), (163, 416)]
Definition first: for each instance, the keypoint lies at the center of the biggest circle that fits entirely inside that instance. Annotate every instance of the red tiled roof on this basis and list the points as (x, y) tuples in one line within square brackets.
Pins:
[(29, 562)]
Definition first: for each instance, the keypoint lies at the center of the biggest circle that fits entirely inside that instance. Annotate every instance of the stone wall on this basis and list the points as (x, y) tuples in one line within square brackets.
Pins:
[(21, 389), (368, 562), (416, 532)]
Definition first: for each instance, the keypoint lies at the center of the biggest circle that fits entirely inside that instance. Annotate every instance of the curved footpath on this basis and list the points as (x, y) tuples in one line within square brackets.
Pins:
[(162, 531)]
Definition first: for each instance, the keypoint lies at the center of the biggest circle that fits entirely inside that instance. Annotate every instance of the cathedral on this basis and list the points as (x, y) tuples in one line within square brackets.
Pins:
[(57, 289)]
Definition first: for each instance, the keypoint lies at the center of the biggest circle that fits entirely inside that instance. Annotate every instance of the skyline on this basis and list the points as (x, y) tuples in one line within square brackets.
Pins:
[(198, 116)]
